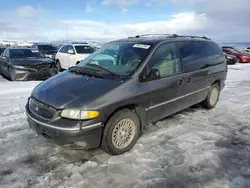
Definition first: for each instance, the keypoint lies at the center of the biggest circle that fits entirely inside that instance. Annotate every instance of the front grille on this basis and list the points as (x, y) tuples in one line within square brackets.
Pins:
[(39, 67), (41, 110)]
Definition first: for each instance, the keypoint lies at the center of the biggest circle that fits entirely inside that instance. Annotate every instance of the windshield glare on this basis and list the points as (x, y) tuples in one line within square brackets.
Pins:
[(47, 48), (84, 49), (25, 53), (119, 58)]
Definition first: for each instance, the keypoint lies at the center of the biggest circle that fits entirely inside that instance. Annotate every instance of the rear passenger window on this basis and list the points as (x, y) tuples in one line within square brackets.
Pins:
[(166, 60), (198, 55)]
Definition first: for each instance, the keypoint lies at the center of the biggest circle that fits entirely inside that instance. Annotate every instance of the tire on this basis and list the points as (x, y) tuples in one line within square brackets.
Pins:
[(58, 65), (114, 130), (12, 76), (212, 97)]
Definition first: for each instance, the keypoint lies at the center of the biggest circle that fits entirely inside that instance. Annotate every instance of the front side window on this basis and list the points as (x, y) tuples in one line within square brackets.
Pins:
[(64, 49), (84, 49), (25, 53), (165, 60), (71, 49), (117, 58)]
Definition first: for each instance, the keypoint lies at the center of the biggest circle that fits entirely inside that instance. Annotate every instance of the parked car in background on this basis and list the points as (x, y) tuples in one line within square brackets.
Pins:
[(2, 48), (104, 103), (226, 47), (243, 57), (71, 54), (26, 64), (231, 59), (47, 49)]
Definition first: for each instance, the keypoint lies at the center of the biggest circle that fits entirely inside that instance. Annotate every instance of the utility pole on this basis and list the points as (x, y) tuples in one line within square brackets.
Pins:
[(66, 30)]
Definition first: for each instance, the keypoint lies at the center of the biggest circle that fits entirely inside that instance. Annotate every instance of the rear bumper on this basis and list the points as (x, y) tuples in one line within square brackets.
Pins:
[(75, 137)]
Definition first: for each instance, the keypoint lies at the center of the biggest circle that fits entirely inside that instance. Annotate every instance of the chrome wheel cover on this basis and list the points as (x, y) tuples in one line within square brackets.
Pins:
[(123, 133), (214, 96)]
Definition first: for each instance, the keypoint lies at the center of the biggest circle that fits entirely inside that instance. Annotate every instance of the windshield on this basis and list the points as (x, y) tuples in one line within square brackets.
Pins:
[(25, 53), (84, 49), (47, 48), (117, 58)]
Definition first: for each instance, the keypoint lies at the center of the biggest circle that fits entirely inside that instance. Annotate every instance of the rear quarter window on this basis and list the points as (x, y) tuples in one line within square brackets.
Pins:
[(198, 55)]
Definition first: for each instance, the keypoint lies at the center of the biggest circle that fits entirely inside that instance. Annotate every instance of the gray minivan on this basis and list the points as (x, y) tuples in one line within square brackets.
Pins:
[(108, 98)]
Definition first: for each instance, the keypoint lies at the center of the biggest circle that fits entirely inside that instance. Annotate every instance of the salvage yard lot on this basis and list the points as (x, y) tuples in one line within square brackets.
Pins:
[(191, 149)]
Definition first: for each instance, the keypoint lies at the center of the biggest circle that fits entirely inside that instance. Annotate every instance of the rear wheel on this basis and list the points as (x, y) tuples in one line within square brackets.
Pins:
[(121, 132), (212, 97)]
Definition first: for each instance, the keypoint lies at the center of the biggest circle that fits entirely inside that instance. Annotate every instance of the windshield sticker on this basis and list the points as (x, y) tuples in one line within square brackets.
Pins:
[(34, 51), (144, 46)]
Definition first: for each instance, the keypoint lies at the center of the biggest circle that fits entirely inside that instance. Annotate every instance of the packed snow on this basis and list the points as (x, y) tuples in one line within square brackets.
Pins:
[(195, 148)]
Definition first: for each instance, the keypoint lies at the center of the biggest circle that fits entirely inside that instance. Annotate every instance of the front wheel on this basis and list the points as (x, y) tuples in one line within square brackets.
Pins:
[(12, 75), (58, 66), (121, 132), (212, 97)]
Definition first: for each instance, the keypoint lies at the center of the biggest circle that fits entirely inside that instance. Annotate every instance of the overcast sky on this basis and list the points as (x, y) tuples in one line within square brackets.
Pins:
[(33, 20)]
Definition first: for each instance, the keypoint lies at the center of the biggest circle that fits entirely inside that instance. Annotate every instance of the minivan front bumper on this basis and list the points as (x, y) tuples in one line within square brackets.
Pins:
[(75, 137)]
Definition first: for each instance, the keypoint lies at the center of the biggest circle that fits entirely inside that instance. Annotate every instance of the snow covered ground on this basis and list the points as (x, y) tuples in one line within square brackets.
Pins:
[(195, 148)]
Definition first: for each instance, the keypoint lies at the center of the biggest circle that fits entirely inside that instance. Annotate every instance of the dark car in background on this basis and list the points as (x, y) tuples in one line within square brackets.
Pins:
[(243, 57), (231, 59), (47, 49), (110, 96), (26, 64)]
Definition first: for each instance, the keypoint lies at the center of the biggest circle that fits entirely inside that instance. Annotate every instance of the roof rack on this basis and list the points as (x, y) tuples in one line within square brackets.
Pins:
[(171, 36), (146, 35), (191, 36)]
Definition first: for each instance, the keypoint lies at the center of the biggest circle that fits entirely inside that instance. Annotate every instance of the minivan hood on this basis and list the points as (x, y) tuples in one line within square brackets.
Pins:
[(69, 90), (30, 61)]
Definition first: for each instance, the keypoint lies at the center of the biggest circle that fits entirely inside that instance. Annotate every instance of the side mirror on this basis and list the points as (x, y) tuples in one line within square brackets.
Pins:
[(154, 74), (71, 52)]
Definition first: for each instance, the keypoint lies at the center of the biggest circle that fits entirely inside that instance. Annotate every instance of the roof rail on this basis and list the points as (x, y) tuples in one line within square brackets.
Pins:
[(192, 36), (171, 36), (145, 35)]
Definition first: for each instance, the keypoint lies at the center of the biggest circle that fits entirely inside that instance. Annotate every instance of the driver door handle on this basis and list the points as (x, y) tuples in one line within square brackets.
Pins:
[(180, 82)]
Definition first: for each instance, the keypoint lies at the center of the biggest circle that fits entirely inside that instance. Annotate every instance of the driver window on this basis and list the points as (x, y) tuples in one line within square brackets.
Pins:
[(70, 48), (166, 60)]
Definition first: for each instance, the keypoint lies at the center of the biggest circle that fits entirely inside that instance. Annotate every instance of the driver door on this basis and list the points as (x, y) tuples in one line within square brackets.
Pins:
[(164, 93)]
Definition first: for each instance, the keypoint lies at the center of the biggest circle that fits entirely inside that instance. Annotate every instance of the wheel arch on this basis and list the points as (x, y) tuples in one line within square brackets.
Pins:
[(133, 107), (217, 82)]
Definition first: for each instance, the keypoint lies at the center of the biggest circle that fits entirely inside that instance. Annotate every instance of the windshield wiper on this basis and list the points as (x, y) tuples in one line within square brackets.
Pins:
[(102, 68), (83, 71)]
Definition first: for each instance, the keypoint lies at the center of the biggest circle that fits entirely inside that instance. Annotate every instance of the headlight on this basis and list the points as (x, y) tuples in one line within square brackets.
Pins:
[(47, 55), (79, 114), (18, 67)]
